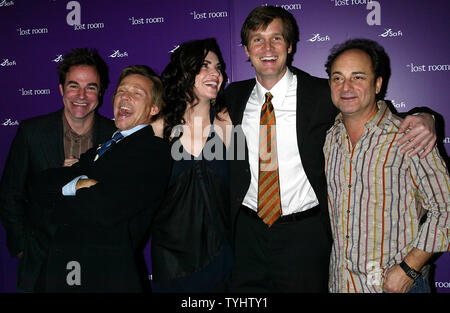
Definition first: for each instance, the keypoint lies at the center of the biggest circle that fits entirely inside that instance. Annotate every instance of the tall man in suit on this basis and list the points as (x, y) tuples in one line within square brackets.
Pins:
[(288, 249), (96, 212), (53, 140)]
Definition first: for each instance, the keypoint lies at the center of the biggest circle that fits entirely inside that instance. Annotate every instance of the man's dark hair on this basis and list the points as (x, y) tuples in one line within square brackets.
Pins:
[(378, 56), (85, 56), (262, 16), (157, 88)]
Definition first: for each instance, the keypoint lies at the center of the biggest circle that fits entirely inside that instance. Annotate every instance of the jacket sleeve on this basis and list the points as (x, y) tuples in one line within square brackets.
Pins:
[(13, 196), (138, 182)]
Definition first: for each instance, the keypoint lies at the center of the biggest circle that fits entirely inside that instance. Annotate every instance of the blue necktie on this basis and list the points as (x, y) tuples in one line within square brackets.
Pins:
[(105, 146)]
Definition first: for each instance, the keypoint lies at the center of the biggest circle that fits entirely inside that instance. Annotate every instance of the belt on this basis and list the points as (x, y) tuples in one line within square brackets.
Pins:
[(285, 218)]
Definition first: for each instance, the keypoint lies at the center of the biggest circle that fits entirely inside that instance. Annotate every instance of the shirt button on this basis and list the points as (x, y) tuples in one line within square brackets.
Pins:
[(347, 236), (348, 211), (350, 186)]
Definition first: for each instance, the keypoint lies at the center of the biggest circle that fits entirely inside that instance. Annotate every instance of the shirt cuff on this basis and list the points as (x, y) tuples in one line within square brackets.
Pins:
[(417, 113), (69, 189)]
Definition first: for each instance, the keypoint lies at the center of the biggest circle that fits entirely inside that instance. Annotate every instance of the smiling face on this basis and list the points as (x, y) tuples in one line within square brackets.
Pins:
[(268, 51), (80, 92), (133, 102), (353, 84), (209, 79)]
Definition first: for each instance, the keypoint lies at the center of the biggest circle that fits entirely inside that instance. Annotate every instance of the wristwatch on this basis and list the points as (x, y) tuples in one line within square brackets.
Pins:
[(410, 271)]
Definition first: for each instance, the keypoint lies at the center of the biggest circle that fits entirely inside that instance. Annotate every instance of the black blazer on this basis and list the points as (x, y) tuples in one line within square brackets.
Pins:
[(102, 226), (38, 145), (315, 115)]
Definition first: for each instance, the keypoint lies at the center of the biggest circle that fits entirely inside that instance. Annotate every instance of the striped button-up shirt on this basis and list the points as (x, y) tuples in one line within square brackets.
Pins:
[(74, 144), (378, 199)]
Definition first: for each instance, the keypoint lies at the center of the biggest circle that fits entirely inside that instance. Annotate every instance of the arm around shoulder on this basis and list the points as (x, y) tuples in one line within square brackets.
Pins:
[(419, 132)]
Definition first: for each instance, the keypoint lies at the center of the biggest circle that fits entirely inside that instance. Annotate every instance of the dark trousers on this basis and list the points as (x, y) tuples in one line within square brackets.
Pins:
[(291, 256)]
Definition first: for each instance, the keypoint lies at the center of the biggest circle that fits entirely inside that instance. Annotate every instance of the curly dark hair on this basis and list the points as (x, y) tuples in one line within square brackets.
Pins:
[(85, 56), (179, 79), (380, 59)]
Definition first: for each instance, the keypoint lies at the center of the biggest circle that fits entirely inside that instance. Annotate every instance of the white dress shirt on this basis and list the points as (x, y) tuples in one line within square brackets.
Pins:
[(296, 192)]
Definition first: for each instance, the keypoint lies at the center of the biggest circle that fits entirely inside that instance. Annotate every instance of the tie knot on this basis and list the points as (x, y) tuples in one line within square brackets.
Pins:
[(268, 97), (117, 136)]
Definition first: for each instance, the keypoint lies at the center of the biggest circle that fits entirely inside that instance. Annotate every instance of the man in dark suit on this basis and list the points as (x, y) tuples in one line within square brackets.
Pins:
[(288, 249), (47, 141), (96, 213)]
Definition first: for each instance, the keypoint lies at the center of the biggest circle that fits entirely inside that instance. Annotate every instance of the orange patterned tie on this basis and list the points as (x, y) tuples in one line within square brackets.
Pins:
[(269, 203)]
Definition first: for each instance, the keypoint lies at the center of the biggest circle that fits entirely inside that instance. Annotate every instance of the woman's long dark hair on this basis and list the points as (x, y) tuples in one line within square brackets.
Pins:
[(179, 79)]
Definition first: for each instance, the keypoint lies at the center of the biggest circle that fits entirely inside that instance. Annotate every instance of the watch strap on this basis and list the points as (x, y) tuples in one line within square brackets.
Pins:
[(412, 273)]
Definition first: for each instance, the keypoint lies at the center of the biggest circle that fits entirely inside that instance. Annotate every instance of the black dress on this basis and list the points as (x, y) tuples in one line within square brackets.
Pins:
[(190, 239)]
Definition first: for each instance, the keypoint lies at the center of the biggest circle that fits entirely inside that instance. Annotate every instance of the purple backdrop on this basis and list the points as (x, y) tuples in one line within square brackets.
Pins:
[(35, 34)]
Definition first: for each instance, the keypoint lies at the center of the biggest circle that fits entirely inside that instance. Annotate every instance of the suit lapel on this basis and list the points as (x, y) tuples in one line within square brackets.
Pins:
[(240, 169), (243, 96), (240, 98), (52, 138), (305, 88), (128, 140), (301, 94), (102, 131), (52, 145)]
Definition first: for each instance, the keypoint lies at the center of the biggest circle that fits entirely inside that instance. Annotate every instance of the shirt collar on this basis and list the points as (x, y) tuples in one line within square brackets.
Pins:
[(128, 132), (278, 91), (68, 131), (378, 120)]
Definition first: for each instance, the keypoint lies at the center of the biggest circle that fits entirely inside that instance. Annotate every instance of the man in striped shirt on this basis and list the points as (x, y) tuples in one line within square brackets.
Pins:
[(389, 212)]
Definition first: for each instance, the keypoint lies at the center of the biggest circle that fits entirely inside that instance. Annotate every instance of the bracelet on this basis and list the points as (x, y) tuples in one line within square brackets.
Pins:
[(412, 273)]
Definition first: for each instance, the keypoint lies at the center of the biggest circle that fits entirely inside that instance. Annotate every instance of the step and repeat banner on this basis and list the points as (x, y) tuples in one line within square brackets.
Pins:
[(34, 36)]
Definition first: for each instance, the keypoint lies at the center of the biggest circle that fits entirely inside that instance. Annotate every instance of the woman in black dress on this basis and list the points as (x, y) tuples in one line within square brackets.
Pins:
[(191, 231)]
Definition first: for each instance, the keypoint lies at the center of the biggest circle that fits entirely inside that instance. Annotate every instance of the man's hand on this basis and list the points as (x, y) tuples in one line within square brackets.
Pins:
[(70, 161), (421, 134), (85, 183), (396, 280), (19, 255)]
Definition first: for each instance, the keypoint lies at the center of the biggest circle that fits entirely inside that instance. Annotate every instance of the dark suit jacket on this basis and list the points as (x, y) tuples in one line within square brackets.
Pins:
[(315, 115), (38, 145), (101, 226)]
